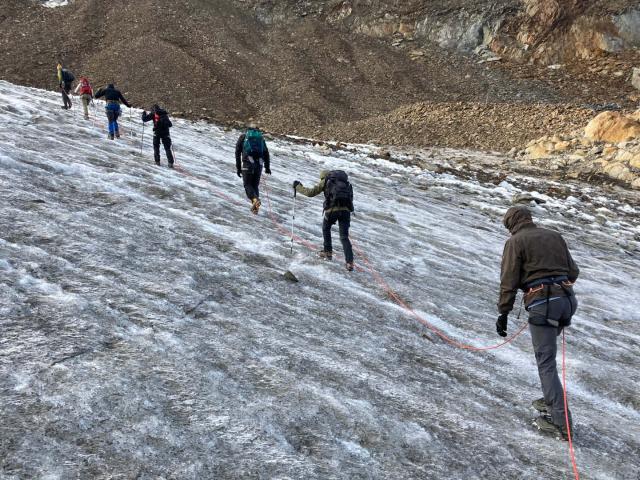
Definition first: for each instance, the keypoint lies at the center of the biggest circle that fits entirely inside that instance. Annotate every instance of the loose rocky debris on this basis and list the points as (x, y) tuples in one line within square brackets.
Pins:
[(477, 125), (288, 275), (609, 146)]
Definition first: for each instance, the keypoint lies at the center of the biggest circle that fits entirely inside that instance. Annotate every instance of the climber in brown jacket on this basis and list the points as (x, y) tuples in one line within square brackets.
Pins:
[(530, 254), (537, 261)]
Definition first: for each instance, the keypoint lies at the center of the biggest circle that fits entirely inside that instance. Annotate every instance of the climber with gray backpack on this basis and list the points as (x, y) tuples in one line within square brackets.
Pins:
[(338, 205), (251, 155)]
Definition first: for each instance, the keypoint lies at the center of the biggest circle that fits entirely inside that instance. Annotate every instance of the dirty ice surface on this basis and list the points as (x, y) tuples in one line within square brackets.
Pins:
[(55, 3), (146, 330)]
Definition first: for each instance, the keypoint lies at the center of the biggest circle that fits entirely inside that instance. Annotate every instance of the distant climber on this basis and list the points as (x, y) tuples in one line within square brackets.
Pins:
[(113, 98), (338, 205), (537, 261), (251, 154), (161, 126), (65, 79), (85, 90)]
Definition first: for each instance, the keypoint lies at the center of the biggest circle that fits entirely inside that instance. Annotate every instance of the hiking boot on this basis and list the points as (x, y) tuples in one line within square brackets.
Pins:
[(540, 405), (110, 136), (158, 163), (255, 205), (171, 165), (325, 255), (545, 424), (349, 266)]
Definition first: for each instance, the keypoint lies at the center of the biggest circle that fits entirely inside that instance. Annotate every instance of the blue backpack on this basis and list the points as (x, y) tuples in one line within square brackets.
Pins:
[(253, 144)]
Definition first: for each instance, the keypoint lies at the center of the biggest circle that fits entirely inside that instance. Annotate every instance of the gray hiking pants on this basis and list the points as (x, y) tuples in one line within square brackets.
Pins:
[(544, 338)]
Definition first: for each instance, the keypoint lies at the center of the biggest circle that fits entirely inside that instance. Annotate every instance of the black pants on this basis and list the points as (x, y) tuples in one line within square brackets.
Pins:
[(66, 100), (251, 181), (166, 142), (344, 221)]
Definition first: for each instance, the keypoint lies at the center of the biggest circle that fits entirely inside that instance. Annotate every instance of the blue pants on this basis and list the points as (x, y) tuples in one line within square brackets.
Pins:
[(113, 112)]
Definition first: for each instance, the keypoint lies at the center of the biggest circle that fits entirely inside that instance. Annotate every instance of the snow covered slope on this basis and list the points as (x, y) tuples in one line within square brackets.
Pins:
[(146, 330)]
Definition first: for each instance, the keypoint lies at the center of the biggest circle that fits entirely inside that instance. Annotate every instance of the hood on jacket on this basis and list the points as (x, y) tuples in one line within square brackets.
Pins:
[(110, 85), (516, 218), (159, 110)]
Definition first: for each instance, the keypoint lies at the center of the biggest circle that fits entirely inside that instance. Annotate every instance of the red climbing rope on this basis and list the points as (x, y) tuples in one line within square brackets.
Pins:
[(566, 410), (385, 286), (389, 291)]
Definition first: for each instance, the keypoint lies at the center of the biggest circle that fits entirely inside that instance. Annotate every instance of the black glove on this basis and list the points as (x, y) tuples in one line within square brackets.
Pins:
[(501, 324), (239, 172), (267, 171), (296, 183), (144, 114)]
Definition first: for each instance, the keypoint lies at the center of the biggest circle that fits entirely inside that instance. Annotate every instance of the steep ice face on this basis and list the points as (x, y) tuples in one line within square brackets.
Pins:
[(147, 331)]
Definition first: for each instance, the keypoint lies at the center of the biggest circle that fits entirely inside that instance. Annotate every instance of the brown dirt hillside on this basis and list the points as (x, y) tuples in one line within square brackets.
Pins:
[(291, 68)]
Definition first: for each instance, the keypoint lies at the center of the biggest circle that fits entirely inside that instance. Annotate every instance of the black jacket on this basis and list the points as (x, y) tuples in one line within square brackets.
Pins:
[(111, 94), (66, 78), (241, 158), (161, 123)]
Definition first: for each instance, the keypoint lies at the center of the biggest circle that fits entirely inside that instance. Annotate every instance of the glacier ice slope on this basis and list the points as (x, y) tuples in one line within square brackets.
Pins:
[(147, 332)]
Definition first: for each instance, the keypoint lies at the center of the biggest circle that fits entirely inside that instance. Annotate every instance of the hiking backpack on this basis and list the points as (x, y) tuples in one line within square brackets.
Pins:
[(161, 122), (253, 145), (67, 76), (338, 192), (85, 87)]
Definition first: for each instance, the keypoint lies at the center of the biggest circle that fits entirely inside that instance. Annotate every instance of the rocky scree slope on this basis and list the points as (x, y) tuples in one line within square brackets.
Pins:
[(316, 69)]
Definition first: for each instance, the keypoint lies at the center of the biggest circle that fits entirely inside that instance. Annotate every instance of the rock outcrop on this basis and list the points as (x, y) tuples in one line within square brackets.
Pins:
[(558, 31), (612, 127), (609, 146)]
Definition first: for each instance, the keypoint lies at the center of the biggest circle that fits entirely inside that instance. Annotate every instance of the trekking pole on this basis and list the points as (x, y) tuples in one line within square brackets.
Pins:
[(130, 124), (142, 139), (293, 219)]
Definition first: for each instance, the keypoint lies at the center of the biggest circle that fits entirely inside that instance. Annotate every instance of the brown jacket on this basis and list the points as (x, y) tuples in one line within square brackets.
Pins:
[(530, 254)]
